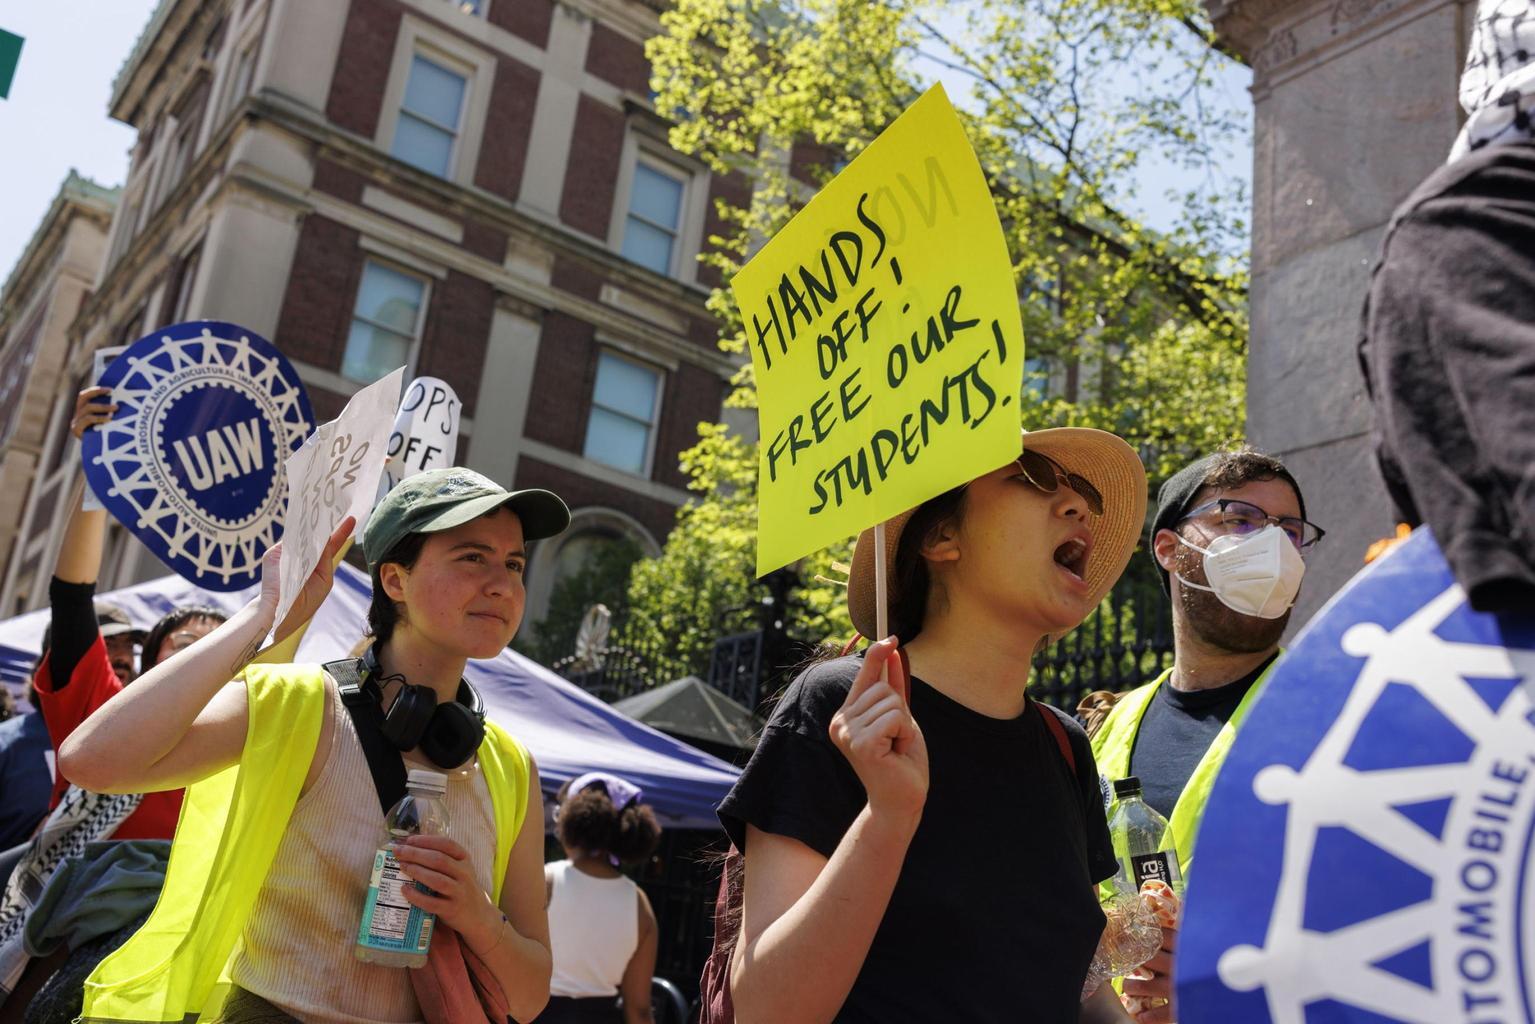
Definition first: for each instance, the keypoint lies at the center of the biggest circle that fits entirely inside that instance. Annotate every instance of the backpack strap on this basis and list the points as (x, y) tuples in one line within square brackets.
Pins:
[(360, 697), (1059, 732)]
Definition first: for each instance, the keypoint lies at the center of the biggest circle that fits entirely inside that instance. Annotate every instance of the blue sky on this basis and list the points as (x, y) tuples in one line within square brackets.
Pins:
[(56, 116)]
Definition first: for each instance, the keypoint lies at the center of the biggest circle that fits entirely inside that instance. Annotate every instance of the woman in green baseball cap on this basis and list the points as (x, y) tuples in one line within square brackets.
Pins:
[(274, 852)]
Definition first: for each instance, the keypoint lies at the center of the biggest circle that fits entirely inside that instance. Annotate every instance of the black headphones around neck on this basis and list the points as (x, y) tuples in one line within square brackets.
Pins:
[(447, 733)]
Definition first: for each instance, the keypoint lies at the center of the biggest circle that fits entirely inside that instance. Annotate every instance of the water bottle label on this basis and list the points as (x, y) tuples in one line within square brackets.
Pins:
[(1154, 867), (388, 922)]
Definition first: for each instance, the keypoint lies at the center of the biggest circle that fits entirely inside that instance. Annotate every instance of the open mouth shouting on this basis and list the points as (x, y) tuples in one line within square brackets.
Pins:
[(1071, 556)]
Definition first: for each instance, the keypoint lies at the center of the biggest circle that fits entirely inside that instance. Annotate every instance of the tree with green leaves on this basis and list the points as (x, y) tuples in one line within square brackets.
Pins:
[(1138, 331)]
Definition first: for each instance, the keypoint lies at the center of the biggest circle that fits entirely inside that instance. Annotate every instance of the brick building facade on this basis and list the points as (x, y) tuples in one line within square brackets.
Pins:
[(478, 189)]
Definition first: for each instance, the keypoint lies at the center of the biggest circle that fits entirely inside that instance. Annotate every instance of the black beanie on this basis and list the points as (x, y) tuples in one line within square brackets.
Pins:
[(1175, 496)]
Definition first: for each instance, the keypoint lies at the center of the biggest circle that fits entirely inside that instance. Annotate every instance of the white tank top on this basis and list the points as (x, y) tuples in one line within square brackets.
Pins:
[(594, 928)]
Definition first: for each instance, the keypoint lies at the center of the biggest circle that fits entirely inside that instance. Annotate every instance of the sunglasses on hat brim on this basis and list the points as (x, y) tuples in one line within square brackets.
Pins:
[(1045, 474)]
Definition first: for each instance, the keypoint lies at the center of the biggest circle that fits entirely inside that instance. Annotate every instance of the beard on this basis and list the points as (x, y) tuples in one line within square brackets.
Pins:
[(1215, 624)]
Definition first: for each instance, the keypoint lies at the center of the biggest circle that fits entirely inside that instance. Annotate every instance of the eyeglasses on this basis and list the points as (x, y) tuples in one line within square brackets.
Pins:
[(1046, 475), (1241, 517), (181, 640)]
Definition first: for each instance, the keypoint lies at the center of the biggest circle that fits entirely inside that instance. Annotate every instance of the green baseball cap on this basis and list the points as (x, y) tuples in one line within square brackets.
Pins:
[(441, 499)]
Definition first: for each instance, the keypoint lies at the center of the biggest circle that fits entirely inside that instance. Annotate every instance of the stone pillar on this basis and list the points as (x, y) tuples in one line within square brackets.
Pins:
[(501, 408), (1354, 104)]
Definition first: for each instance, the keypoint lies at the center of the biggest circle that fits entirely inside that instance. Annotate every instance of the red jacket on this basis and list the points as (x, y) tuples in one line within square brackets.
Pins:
[(91, 685)]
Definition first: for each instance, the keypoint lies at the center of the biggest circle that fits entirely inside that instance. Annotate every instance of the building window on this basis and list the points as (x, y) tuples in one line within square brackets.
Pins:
[(475, 7), (239, 81), (386, 322), (181, 294), (124, 225), (655, 217), (623, 419), (132, 330), (428, 126), (180, 156)]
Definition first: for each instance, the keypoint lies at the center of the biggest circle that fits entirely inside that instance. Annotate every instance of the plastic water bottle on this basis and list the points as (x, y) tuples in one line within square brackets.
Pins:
[(1143, 840), (394, 933)]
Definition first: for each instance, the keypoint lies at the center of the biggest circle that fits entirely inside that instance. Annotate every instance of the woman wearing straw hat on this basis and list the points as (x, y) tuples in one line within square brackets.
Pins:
[(936, 860)]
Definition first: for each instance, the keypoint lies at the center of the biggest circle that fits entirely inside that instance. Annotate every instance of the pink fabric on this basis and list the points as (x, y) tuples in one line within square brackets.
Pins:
[(456, 986)]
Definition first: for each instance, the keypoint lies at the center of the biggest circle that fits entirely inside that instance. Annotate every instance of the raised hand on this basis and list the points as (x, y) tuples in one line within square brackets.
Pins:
[(876, 733), (93, 407), (316, 586)]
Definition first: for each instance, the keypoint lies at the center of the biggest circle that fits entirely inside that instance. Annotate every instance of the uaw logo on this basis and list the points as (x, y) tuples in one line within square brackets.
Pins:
[(1366, 852), (192, 462)]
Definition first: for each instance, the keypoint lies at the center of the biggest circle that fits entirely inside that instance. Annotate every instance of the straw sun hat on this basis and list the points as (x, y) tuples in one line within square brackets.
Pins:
[(1103, 459)]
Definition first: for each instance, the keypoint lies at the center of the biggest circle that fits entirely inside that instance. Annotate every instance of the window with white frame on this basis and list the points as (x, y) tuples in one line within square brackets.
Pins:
[(430, 113), (186, 277), (239, 82), (180, 156), (125, 226), (625, 403), (386, 322), (655, 216)]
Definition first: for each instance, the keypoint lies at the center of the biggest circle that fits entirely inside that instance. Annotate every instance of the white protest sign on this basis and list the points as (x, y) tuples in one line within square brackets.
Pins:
[(425, 431), (89, 502), (334, 475)]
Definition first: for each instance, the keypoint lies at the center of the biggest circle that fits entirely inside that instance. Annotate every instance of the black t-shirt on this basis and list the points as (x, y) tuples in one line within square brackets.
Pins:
[(1176, 730), (993, 917)]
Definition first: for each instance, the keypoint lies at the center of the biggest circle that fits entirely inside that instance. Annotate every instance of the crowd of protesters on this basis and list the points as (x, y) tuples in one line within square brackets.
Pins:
[(915, 838)]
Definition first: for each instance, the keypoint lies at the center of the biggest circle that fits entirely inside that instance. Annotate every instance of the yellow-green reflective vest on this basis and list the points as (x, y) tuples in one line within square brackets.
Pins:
[(1115, 740), (175, 966)]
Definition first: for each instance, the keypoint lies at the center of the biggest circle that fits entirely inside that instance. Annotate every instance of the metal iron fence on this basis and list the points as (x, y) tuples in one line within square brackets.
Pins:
[(1127, 641), (681, 880), (619, 670)]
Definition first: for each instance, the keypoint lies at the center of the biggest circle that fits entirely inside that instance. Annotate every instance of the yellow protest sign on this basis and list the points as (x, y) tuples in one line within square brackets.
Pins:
[(885, 333)]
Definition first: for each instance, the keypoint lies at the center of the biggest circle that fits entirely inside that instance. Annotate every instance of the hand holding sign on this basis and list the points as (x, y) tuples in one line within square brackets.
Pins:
[(885, 333), (101, 360), (93, 407), (333, 476), (191, 461), (314, 590)]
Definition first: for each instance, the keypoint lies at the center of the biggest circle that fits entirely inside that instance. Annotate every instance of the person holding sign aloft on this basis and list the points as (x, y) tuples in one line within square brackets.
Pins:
[(88, 654), (272, 860), (935, 857)]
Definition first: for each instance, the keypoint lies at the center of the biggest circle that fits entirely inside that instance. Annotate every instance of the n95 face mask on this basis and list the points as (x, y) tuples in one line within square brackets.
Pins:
[(1257, 575)]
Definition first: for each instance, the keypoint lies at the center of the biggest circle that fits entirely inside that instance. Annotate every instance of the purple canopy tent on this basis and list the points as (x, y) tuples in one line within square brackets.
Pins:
[(568, 730)]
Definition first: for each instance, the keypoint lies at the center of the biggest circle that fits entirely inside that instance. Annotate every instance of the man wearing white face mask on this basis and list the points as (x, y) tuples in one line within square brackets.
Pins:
[(1230, 539)]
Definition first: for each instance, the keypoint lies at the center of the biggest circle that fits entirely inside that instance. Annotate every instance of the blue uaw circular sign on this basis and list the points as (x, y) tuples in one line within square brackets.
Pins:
[(1366, 852), (192, 461)]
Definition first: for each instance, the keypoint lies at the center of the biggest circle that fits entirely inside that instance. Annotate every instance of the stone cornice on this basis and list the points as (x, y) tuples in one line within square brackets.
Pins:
[(1275, 36), (360, 156), (77, 197), (150, 59), (1244, 25), (637, 19), (474, 204)]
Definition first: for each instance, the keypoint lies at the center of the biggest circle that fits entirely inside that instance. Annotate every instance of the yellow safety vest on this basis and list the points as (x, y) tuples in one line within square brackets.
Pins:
[(175, 966), (1115, 740)]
